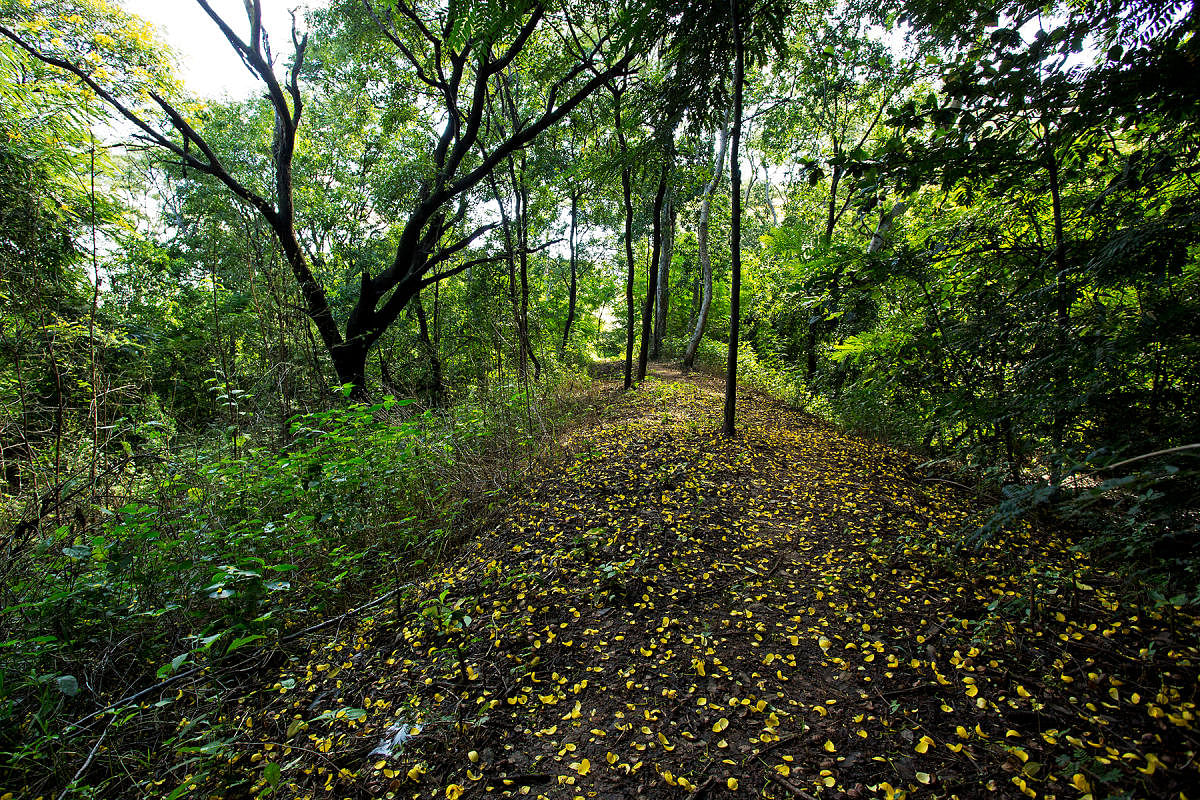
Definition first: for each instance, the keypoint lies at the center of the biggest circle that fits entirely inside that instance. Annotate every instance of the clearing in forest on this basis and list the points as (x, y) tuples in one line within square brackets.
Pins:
[(785, 614)]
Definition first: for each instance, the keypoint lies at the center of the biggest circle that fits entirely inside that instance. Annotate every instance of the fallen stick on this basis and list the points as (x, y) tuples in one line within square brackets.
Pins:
[(74, 727), (791, 787)]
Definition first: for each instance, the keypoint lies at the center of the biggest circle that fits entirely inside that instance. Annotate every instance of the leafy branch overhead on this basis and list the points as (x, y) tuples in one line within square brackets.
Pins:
[(571, 399)]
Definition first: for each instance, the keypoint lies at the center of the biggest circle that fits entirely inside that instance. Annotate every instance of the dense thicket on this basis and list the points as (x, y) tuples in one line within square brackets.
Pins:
[(257, 356)]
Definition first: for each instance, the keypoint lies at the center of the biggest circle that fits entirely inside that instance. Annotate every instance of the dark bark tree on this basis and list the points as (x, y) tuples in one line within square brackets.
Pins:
[(435, 386), (735, 235), (512, 244), (662, 302), (627, 198), (521, 288), (457, 71), (652, 273), (573, 287)]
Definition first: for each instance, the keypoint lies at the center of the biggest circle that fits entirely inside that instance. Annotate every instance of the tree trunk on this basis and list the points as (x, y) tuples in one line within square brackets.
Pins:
[(506, 225), (689, 356), (735, 235), (627, 196), (767, 192), (436, 387), (664, 281), (573, 290), (832, 215), (652, 274), (523, 241), (350, 363), (1062, 320), (886, 220)]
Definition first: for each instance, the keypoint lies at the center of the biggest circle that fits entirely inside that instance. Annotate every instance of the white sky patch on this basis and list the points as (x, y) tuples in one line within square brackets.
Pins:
[(208, 65)]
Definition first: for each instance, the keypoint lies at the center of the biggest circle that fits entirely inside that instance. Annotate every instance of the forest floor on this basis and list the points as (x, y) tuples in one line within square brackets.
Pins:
[(785, 614)]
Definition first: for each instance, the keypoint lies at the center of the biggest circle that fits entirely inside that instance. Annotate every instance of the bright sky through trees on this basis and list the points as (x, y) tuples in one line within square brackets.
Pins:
[(323, 466), (207, 63)]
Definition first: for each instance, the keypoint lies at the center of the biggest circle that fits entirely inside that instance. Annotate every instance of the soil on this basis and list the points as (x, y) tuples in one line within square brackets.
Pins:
[(793, 612)]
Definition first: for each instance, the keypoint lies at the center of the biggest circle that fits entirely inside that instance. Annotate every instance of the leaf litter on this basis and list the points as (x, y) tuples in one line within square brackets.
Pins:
[(788, 613)]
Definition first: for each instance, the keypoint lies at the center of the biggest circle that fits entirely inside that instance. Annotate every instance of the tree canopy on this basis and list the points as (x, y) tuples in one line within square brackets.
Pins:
[(265, 358)]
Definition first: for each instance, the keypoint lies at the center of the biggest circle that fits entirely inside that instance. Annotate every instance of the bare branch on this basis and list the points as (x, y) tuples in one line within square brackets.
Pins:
[(520, 138), (103, 93), (457, 268), (213, 166), (416, 20), (299, 47), (460, 245), (254, 13), (253, 56)]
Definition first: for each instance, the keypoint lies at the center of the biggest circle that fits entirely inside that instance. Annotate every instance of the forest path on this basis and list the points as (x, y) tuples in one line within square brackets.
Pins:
[(783, 614)]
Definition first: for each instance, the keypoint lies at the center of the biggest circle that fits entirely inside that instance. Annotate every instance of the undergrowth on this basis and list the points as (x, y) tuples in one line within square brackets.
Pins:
[(216, 550), (1142, 520)]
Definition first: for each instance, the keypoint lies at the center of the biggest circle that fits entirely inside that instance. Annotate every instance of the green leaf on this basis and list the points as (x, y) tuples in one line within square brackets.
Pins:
[(243, 641), (68, 685), (271, 773)]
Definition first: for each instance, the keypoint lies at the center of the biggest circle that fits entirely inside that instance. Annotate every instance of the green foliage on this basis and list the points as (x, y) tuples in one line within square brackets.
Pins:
[(1027, 324), (206, 554), (980, 242)]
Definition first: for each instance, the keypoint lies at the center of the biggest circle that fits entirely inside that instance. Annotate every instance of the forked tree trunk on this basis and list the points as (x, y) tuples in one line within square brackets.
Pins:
[(573, 289), (689, 356)]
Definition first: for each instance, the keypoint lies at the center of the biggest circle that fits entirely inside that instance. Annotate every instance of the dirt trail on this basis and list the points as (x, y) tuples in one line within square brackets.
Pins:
[(784, 614)]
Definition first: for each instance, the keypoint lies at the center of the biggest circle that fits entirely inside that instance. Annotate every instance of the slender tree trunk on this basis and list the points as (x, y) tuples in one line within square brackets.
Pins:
[(886, 220), (735, 236), (506, 224), (831, 215), (94, 408), (689, 356), (436, 386), (652, 274), (1062, 321), (810, 352), (627, 196), (523, 241), (573, 290), (385, 375), (819, 327), (663, 301), (767, 193)]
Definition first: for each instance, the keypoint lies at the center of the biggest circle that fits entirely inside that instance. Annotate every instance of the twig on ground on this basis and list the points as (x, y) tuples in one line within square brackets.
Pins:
[(87, 762), (76, 726), (703, 788), (795, 790)]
